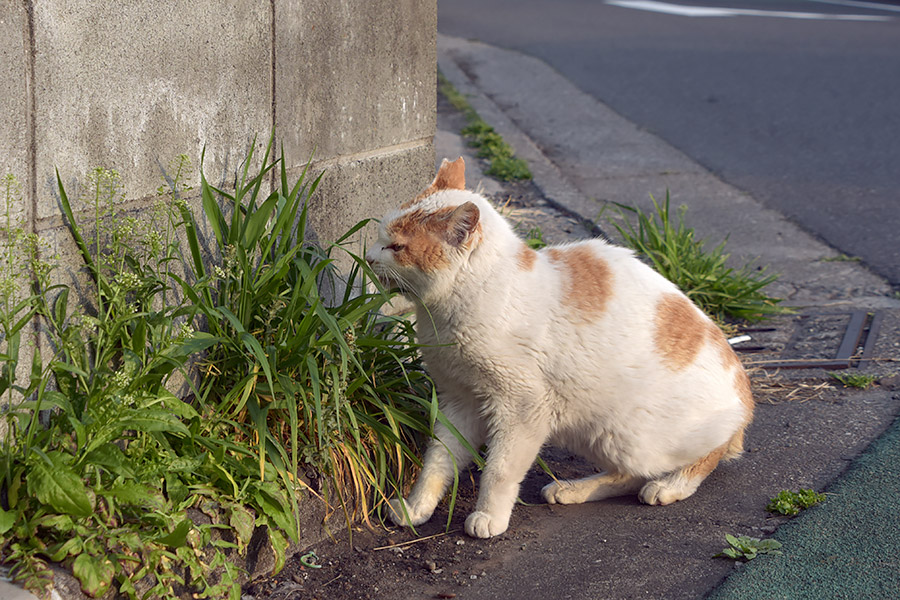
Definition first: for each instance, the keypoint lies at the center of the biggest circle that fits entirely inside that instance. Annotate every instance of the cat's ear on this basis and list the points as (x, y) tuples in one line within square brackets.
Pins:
[(451, 175), (462, 224)]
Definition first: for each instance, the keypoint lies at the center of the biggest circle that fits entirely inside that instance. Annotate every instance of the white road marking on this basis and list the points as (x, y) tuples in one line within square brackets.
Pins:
[(855, 4), (712, 11)]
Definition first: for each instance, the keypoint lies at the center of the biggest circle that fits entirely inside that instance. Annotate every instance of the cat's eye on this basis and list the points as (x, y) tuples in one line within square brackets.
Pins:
[(395, 247)]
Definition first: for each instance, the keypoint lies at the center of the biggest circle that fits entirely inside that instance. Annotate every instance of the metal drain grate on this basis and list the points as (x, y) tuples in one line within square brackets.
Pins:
[(816, 340)]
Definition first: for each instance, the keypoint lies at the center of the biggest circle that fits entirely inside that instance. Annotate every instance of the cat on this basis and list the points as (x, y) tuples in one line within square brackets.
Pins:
[(581, 346)]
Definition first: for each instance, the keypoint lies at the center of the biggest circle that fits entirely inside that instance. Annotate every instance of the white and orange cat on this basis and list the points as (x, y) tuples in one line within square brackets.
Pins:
[(580, 346)]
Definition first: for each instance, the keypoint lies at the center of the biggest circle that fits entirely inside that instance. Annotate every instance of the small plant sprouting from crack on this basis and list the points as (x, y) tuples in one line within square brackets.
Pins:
[(791, 503), (855, 380), (840, 258), (747, 548), (504, 165)]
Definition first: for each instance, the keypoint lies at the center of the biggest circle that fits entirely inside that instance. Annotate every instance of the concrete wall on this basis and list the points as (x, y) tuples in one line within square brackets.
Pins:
[(129, 85)]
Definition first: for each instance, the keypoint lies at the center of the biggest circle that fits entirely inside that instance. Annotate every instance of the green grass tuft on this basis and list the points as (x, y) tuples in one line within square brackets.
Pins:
[(672, 249), (534, 238), (855, 380), (503, 164)]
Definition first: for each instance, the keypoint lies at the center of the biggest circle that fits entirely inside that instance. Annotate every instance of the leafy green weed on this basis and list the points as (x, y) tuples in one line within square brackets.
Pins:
[(791, 503), (534, 238), (747, 548), (305, 389)]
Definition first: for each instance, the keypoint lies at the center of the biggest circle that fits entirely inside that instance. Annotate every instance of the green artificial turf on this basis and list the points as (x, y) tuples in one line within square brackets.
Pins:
[(846, 547)]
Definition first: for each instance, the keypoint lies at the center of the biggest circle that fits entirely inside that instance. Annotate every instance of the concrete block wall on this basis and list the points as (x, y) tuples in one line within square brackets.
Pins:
[(129, 85), (85, 83)]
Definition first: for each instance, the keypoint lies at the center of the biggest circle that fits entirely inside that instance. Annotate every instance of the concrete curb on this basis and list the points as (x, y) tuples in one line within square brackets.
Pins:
[(546, 175)]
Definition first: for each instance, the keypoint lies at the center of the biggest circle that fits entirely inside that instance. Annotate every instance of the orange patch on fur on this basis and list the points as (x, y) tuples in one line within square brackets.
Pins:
[(588, 279), (705, 465), (450, 176), (735, 445), (680, 331), (422, 248), (526, 258), (423, 235), (731, 361)]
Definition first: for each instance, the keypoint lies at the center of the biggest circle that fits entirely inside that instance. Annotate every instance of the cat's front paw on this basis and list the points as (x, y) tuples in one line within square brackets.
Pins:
[(482, 525), (407, 518)]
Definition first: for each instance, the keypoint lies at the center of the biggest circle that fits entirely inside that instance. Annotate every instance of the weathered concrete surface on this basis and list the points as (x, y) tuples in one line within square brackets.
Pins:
[(362, 186), (14, 99), (354, 87), (128, 86), (351, 77)]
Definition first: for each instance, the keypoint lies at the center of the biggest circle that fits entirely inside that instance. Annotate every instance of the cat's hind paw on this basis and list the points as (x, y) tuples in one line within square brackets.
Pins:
[(563, 492), (666, 490), (482, 525), (407, 518)]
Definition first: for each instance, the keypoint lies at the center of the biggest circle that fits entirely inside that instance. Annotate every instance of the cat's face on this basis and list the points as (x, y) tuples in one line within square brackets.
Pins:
[(425, 242)]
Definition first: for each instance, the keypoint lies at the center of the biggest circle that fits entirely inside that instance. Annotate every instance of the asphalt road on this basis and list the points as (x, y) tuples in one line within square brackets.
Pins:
[(801, 111)]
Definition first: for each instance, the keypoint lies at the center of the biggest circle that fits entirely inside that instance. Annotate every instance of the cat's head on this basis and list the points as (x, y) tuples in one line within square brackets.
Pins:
[(422, 246)]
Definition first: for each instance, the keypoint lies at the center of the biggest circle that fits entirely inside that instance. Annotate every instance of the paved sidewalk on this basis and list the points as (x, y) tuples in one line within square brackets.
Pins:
[(585, 156)]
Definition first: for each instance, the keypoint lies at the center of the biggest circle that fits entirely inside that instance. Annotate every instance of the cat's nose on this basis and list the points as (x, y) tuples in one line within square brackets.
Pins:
[(369, 258)]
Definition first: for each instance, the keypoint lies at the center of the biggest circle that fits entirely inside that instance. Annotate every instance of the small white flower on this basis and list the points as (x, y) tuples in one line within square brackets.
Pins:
[(185, 331), (121, 379)]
